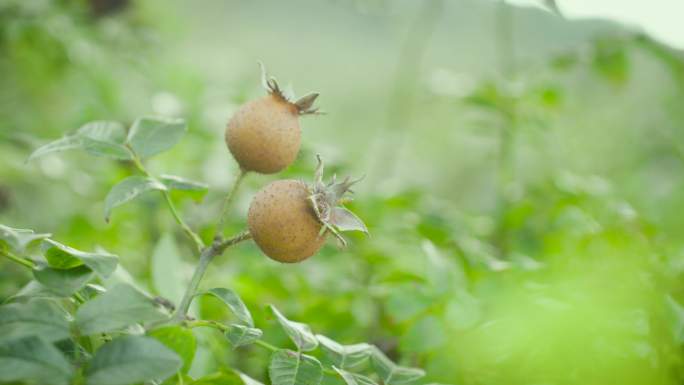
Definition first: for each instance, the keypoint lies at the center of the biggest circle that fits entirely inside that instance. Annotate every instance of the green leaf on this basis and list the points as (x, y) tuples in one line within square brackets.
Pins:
[(119, 307), (298, 332), (225, 377), (353, 378), (33, 290), (100, 138), (179, 339), (35, 361), (103, 138), (129, 189), (240, 335), (247, 380), (37, 318), (345, 356), (234, 302), (149, 135), (196, 190), (391, 373), (64, 282), (17, 239), (66, 143), (61, 256), (131, 359), (292, 368), (167, 269), (345, 220)]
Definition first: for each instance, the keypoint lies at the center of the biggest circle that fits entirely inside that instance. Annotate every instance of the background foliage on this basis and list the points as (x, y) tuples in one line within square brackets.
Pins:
[(523, 189)]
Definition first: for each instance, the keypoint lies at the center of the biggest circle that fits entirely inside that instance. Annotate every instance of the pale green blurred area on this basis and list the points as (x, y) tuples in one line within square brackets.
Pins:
[(555, 261)]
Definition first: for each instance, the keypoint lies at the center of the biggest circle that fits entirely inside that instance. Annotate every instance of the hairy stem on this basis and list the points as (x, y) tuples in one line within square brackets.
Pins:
[(225, 206), (205, 258), (167, 197), (207, 255), (22, 261)]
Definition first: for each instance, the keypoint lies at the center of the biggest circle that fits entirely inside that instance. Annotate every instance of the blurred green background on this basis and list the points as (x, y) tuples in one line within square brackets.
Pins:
[(524, 180)]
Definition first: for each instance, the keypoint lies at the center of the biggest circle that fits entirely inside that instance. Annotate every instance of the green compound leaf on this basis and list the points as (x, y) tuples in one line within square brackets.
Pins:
[(299, 333), (119, 307), (391, 373), (240, 335), (292, 368), (234, 302), (353, 378), (60, 256), (18, 239), (132, 359), (151, 135), (196, 190), (345, 356), (129, 189), (179, 339), (64, 282), (37, 318), (99, 138), (33, 360)]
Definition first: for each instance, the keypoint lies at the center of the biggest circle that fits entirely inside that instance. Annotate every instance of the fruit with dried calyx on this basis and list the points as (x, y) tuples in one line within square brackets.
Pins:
[(264, 135), (289, 220)]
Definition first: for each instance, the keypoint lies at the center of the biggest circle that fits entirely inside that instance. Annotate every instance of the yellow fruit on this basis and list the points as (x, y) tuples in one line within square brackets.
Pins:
[(264, 134), (283, 223)]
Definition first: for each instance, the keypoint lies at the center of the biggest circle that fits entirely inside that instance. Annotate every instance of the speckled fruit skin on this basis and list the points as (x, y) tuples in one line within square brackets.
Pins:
[(283, 223), (264, 134)]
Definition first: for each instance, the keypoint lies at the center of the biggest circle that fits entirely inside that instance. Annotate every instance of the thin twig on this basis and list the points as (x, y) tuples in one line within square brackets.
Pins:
[(207, 255), (225, 206), (172, 207)]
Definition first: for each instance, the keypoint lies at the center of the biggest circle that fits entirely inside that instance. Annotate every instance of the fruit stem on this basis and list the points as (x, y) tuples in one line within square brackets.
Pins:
[(207, 255), (22, 261), (191, 234), (225, 206)]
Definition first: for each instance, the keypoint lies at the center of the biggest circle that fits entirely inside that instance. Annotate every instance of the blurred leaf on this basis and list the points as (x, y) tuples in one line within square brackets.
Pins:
[(292, 368), (196, 190), (353, 378), (179, 339), (234, 302), (131, 359), (677, 317), (345, 356), (100, 138), (60, 256), (424, 335), (129, 189), (17, 239), (391, 373), (611, 60), (167, 269), (225, 377), (35, 361), (298, 332), (33, 289), (64, 282), (240, 335), (119, 307), (151, 135), (36, 318)]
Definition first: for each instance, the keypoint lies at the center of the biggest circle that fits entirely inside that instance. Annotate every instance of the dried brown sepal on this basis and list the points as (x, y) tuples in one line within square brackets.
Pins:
[(304, 105)]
